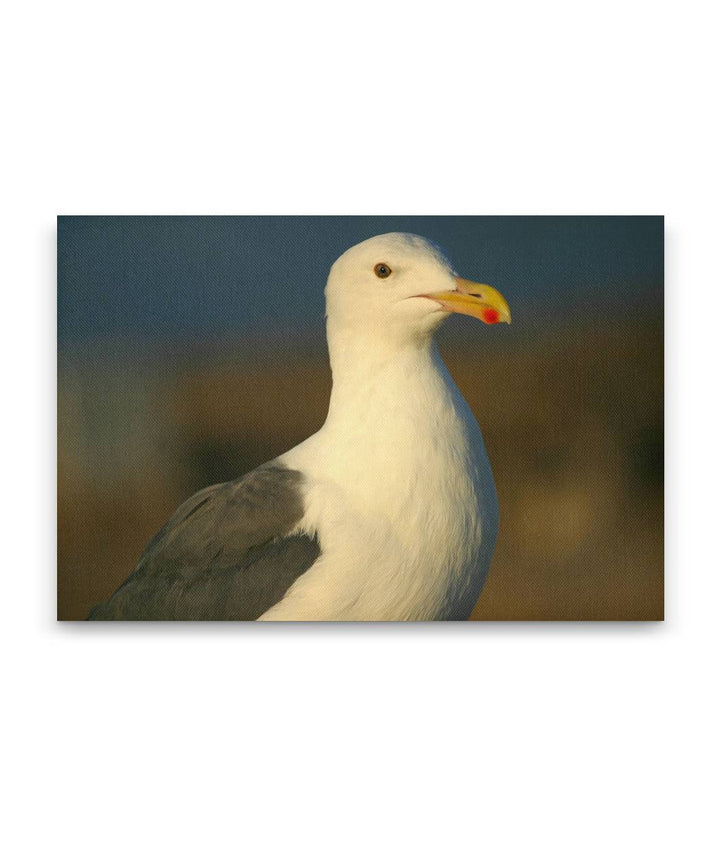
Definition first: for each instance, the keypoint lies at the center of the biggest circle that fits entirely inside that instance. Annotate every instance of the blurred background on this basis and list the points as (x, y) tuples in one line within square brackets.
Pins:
[(191, 349)]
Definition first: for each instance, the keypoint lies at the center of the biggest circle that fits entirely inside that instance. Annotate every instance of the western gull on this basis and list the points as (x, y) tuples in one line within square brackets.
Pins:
[(387, 513)]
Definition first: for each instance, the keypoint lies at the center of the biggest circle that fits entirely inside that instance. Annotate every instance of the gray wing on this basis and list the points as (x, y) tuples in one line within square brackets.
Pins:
[(224, 555)]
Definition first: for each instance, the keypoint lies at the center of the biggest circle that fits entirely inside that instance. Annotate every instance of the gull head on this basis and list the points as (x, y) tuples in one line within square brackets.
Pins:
[(401, 287)]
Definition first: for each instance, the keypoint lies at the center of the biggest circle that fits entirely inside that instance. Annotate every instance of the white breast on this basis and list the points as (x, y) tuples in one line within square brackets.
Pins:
[(401, 497)]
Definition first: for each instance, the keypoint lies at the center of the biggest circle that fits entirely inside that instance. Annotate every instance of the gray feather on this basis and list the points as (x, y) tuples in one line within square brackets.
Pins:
[(224, 555)]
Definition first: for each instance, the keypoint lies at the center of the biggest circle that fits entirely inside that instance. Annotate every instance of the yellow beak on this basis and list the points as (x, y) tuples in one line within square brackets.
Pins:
[(472, 298)]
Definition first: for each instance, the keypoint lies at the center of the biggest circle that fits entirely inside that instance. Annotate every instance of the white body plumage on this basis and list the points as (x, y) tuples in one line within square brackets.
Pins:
[(398, 486)]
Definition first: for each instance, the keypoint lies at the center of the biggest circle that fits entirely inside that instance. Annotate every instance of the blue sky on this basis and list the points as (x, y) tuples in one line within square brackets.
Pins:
[(140, 279)]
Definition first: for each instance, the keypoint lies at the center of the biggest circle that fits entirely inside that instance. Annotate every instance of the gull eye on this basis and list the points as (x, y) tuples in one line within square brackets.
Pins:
[(382, 270)]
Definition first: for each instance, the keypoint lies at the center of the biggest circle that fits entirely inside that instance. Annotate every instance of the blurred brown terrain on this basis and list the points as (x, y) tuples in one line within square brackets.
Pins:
[(573, 423)]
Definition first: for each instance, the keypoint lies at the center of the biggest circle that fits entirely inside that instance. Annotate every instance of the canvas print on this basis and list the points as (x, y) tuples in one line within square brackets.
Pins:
[(360, 418)]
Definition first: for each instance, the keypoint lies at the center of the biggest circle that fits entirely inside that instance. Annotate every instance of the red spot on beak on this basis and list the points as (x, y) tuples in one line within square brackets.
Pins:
[(490, 316)]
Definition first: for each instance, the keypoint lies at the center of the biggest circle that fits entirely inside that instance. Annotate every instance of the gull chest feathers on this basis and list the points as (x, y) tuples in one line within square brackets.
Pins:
[(398, 486)]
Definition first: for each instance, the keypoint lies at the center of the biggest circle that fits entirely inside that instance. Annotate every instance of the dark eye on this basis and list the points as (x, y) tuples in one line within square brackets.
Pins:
[(382, 270)]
